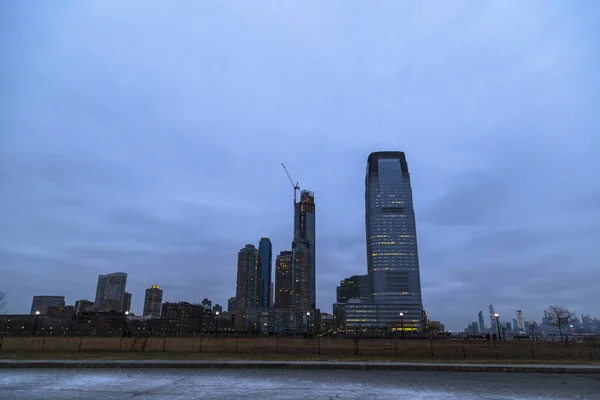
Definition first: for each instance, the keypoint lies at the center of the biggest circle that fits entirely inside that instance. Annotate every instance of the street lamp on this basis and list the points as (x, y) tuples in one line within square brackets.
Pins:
[(216, 322), (402, 324), (125, 329), (307, 321), (37, 315), (497, 324)]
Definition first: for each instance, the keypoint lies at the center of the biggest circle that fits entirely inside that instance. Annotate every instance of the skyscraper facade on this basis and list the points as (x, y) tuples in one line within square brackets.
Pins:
[(265, 254), (42, 303), (355, 287), (493, 324), (283, 280), (392, 256), (304, 251), (247, 287), (520, 321), (153, 301), (110, 292), (482, 327)]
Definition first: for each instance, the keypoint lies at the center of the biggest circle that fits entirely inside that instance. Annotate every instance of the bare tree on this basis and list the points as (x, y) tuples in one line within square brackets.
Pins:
[(559, 316), (2, 301), (533, 329)]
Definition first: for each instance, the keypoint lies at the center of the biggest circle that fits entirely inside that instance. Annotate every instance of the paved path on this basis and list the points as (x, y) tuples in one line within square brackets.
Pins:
[(207, 384), (338, 365)]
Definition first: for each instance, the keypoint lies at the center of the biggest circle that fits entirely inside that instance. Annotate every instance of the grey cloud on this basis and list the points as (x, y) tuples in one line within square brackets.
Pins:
[(153, 145)]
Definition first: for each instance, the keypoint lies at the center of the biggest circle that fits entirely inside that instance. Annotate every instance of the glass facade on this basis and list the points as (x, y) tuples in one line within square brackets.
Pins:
[(303, 248), (265, 257), (392, 256), (110, 292)]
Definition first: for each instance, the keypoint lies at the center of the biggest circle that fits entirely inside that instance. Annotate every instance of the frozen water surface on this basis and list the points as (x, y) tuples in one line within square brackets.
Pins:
[(186, 384)]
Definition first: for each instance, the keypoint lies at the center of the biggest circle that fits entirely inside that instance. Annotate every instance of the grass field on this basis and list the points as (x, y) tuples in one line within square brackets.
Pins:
[(289, 348)]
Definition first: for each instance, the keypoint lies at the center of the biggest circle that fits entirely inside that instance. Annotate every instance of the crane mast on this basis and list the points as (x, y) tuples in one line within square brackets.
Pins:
[(296, 188)]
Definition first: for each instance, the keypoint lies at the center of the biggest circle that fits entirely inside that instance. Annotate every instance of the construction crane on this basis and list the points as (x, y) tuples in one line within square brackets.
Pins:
[(296, 187)]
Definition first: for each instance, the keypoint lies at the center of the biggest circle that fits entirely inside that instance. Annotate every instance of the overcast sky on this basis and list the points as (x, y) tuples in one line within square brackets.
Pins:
[(148, 137)]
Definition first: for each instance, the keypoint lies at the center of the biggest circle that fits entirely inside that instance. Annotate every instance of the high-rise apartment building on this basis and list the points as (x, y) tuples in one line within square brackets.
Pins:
[(41, 303), (482, 327), (355, 287), (247, 287), (283, 279), (265, 256), (392, 255), (110, 292), (304, 252), (153, 301), (520, 321)]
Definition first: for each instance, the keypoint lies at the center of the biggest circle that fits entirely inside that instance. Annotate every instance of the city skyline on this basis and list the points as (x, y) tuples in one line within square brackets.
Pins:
[(115, 159)]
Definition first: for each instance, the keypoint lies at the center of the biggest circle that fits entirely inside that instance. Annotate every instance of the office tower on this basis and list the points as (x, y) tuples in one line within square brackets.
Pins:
[(127, 302), (41, 303), (355, 287), (283, 280), (231, 307), (247, 287), (110, 292), (392, 254), (520, 320), (482, 327), (153, 302), (515, 325), (265, 255), (217, 309), (494, 326), (83, 306), (303, 249), (272, 291)]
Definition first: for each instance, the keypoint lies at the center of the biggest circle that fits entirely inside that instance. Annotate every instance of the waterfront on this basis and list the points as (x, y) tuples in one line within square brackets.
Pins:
[(184, 384)]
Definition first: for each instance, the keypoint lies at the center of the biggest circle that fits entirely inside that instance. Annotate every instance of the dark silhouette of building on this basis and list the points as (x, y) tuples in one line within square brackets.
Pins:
[(265, 258), (127, 302), (182, 317), (41, 303), (83, 306), (153, 302), (231, 305), (355, 287), (247, 288), (283, 280), (217, 309), (65, 312), (207, 304)]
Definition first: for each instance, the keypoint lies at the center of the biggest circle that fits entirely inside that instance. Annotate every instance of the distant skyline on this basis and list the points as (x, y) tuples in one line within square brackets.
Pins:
[(149, 140)]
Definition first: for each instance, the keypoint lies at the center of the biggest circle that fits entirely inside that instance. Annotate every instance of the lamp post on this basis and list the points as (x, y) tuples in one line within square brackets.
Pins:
[(497, 324), (307, 322), (402, 324), (125, 323), (216, 322), (37, 315)]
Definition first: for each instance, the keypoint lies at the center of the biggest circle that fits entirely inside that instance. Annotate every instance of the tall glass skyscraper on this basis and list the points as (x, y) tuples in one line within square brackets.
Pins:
[(303, 249), (392, 256), (265, 259), (110, 292)]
